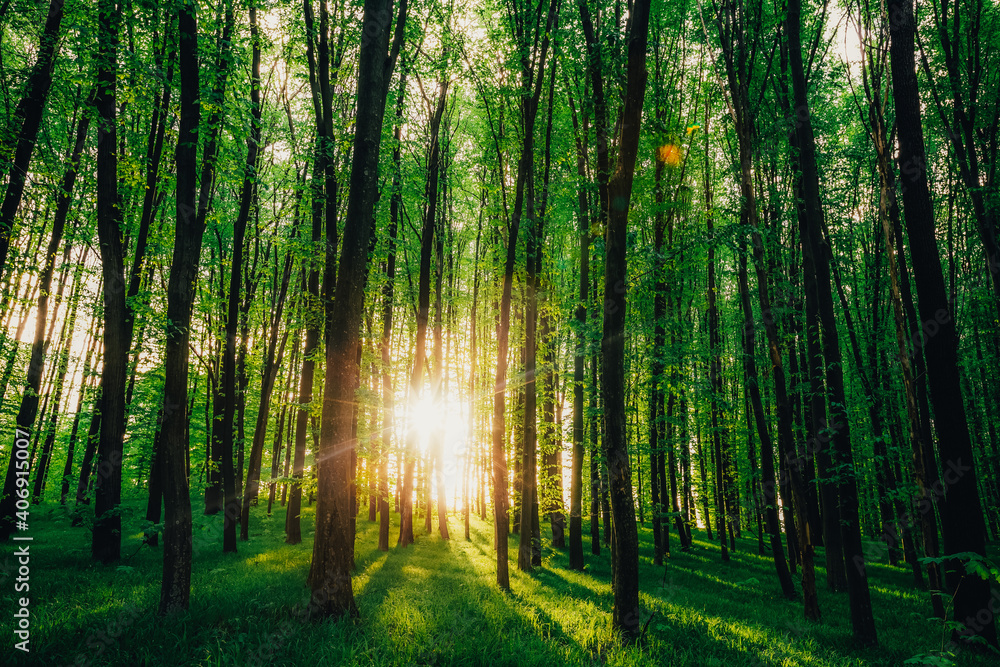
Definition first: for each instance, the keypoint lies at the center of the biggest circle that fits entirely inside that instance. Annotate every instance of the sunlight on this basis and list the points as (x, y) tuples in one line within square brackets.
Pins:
[(429, 419)]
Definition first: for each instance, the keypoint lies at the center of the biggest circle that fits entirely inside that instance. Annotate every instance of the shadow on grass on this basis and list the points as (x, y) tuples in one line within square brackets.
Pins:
[(436, 603)]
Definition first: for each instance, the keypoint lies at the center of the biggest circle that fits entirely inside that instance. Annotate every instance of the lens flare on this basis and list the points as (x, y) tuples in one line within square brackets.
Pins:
[(669, 154)]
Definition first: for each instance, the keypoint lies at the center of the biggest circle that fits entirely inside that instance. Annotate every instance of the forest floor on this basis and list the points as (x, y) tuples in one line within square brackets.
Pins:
[(436, 603)]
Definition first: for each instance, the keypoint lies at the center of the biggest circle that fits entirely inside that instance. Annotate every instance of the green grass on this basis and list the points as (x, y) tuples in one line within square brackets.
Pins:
[(435, 603)]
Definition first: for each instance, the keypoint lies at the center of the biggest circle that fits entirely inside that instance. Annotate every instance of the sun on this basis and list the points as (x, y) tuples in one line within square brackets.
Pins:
[(449, 421)]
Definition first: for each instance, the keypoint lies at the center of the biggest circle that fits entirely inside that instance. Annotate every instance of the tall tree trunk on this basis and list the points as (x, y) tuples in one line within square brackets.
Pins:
[(862, 620), (229, 351), (78, 414), (595, 452), (529, 448), (579, 354), (531, 85), (175, 590), (440, 192), (732, 22), (768, 487), (388, 296), (961, 512), (888, 213), (333, 548), (218, 462), (270, 370), (715, 362), (66, 338), (473, 378), (656, 371), (423, 313), (625, 614), (310, 281)]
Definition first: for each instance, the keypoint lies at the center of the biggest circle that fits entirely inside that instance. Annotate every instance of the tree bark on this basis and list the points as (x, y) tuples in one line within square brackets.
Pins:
[(27, 119), (862, 620), (176, 586), (333, 548), (961, 512), (625, 614)]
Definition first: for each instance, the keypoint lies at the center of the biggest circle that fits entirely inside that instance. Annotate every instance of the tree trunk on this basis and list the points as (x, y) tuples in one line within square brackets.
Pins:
[(333, 548), (862, 621), (176, 586), (219, 442), (768, 487), (26, 121), (84, 395), (715, 363), (472, 357), (232, 513), (270, 370), (66, 338), (18, 465), (439, 192), (388, 295), (626, 614), (579, 354), (529, 448), (961, 512)]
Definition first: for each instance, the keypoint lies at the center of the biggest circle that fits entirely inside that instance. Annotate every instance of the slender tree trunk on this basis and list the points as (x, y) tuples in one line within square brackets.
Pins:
[(218, 463), (862, 620), (423, 312), (26, 121), (66, 338), (768, 487), (84, 395), (270, 370), (437, 374), (18, 465), (388, 295), (579, 355), (595, 455), (531, 84), (715, 363), (529, 448), (229, 351), (473, 378), (656, 379)]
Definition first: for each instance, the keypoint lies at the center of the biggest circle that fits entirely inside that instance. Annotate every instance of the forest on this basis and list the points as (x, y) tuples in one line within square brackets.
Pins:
[(516, 332)]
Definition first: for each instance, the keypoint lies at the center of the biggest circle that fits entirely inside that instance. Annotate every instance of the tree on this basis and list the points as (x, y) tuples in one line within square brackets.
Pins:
[(961, 512), (862, 620), (175, 589), (26, 121), (626, 555), (333, 548)]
